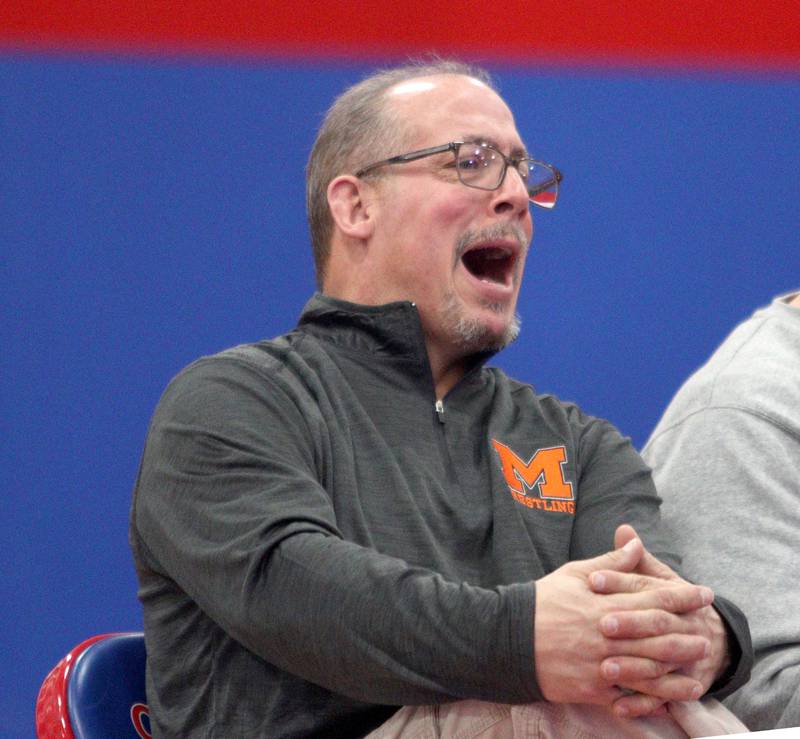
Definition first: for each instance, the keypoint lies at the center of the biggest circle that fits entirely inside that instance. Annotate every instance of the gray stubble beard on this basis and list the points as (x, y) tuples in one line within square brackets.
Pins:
[(470, 334)]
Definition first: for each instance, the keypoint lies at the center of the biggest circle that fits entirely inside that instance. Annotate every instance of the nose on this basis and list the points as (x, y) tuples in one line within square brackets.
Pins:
[(511, 198)]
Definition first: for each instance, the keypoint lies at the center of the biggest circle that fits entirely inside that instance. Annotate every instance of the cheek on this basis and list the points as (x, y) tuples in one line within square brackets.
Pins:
[(455, 212), (443, 227), (426, 229)]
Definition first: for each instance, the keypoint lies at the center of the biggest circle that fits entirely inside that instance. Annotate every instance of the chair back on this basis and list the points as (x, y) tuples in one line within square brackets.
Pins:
[(97, 690)]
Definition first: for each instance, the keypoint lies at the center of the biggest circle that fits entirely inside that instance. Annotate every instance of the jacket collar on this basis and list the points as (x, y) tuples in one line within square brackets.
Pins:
[(391, 329)]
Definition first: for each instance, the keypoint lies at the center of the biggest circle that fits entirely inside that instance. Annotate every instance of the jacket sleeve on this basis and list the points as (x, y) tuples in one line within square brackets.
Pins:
[(230, 506), (617, 487)]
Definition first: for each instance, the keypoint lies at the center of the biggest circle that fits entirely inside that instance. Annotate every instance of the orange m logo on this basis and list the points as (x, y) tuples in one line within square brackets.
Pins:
[(544, 470)]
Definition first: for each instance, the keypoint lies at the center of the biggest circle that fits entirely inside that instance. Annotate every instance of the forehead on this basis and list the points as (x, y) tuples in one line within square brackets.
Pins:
[(445, 108)]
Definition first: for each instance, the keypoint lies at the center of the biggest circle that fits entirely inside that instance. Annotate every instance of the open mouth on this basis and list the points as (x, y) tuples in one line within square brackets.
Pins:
[(491, 263)]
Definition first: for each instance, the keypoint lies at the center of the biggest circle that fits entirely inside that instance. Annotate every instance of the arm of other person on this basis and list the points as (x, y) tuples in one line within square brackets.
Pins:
[(731, 501)]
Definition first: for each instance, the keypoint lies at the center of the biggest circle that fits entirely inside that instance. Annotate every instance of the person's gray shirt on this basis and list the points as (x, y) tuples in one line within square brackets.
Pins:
[(726, 461)]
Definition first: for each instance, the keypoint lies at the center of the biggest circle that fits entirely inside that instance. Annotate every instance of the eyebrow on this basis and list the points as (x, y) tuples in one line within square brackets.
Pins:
[(516, 152)]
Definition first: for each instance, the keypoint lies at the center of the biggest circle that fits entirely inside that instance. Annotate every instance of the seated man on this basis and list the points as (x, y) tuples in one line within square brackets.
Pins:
[(360, 515), (725, 459)]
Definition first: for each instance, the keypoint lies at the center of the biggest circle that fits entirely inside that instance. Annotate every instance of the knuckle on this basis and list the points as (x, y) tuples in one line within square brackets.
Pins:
[(661, 622), (673, 645), (668, 600), (657, 669), (607, 649), (693, 647)]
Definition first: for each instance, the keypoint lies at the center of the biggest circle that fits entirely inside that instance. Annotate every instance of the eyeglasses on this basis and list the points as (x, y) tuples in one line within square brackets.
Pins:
[(484, 167)]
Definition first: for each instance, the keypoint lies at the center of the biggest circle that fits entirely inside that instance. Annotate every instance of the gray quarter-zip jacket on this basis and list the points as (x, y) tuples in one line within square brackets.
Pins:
[(317, 543)]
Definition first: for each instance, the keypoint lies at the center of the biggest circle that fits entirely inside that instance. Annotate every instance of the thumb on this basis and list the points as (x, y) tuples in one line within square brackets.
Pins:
[(624, 559), (623, 535), (649, 565)]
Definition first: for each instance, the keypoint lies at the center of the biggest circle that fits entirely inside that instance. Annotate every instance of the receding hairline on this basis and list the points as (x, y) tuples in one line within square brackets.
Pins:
[(427, 83), (405, 91), (423, 83)]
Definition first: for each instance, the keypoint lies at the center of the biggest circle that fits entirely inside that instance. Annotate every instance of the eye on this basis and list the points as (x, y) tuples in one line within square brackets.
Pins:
[(471, 163), (470, 160)]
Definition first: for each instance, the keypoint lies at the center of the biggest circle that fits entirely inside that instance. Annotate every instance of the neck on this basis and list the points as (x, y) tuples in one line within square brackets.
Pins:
[(795, 301), (446, 369)]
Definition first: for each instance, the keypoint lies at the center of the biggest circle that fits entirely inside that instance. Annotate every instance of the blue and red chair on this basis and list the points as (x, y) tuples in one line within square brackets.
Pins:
[(96, 690)]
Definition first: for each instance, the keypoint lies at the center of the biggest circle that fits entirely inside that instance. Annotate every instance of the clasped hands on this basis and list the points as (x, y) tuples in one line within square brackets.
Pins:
[(623, 629)]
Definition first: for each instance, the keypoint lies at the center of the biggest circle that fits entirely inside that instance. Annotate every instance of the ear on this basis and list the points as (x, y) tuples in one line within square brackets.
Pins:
[(350, 201)]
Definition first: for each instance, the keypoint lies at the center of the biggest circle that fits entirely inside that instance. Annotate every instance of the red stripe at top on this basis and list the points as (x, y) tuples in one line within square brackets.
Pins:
[(708, 33)]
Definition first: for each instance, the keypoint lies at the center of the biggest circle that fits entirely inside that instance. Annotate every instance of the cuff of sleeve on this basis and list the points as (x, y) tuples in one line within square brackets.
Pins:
[(740, 649), (522, 602)]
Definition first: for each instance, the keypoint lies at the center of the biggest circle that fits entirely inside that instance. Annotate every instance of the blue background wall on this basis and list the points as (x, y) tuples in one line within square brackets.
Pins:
[(151, 211)]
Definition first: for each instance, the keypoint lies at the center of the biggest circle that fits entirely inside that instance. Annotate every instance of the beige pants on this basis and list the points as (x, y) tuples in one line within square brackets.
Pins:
[(476, 719)]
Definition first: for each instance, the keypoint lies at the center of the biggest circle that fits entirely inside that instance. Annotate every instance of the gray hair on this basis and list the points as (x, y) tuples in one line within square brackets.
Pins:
[(360, 126)]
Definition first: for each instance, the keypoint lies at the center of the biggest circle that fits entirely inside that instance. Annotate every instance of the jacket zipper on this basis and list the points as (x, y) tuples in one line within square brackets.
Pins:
[(439, 406)]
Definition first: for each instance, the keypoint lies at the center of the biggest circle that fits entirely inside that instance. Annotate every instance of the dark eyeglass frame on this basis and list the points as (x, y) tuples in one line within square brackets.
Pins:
[(454, 146)]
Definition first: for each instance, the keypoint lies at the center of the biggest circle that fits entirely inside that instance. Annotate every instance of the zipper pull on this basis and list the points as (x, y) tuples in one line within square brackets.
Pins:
[(439, 406)]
